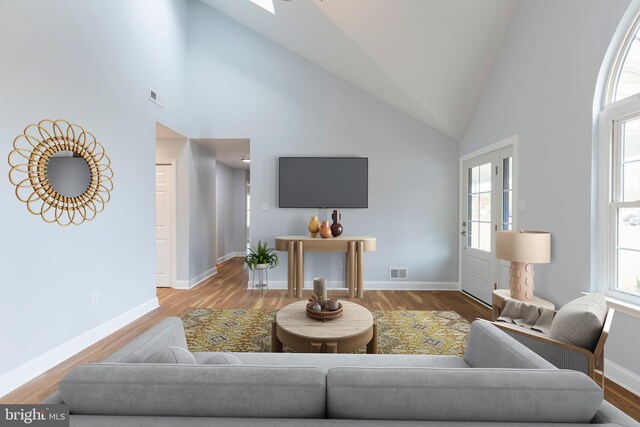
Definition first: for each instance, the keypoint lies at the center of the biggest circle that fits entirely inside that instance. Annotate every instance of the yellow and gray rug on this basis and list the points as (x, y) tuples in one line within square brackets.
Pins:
[(399, 331)]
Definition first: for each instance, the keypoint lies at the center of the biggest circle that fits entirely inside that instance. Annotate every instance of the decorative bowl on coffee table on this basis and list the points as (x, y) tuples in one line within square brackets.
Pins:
[(325, 314)]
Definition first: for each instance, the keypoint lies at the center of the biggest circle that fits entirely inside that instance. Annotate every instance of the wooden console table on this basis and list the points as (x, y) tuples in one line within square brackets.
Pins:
[(354, 246)]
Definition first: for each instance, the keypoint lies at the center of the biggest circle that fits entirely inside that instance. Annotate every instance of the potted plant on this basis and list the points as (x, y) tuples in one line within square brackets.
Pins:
[(261, 257)]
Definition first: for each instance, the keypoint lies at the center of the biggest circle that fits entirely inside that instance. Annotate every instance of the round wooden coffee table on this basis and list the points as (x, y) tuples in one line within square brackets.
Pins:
[(355, 329)]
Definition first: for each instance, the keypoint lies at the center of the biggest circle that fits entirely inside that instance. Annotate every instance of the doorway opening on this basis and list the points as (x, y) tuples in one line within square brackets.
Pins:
[(171, 147)]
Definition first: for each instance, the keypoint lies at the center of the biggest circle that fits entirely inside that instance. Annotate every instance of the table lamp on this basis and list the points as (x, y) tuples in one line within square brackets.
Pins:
[(523, 248)]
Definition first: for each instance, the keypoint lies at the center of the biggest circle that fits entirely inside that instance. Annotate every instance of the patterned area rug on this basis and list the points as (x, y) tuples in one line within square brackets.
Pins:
[(399, 331)]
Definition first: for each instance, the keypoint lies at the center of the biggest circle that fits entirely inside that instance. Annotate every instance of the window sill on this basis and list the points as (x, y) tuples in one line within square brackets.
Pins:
[(623, 307)]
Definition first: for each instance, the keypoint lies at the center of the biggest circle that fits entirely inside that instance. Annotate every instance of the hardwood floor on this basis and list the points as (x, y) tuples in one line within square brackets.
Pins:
[(228, 289)]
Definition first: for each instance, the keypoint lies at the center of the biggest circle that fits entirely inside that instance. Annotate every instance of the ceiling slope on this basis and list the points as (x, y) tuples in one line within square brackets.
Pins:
[(428, 58)]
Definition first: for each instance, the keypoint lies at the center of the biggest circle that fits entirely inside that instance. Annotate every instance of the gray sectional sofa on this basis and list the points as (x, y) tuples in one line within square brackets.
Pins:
[(498, 382)]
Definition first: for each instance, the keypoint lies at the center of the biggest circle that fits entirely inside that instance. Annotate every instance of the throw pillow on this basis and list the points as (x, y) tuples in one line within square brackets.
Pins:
[(222, 359), (175, 355), (580, 321)]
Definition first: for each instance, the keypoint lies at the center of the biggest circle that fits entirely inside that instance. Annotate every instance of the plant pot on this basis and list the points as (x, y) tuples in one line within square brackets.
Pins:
[(261, 266)]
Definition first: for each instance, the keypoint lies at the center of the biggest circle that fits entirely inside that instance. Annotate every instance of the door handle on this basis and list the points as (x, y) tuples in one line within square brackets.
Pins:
[(463, 233)]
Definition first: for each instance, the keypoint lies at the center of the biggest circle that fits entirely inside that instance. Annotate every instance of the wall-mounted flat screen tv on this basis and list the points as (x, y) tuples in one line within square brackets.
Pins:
[(324, 182)]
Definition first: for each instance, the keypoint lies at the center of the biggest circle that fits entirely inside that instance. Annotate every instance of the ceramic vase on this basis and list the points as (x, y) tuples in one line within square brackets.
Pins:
[(314, 226), (325, 230), (336, 227)]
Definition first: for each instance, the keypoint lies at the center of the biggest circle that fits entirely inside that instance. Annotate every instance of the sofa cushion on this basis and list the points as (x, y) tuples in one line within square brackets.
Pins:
[(486, 395), (195, 390), (222, 359), (580, 322), (174, 355)]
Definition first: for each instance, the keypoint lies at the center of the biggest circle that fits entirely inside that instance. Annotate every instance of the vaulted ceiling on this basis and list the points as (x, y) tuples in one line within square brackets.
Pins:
[(428, 58)]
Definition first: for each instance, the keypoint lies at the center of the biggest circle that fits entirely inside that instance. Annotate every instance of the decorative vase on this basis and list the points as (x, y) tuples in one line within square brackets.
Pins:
[(336, 227), (316, 307), (325, 230), (314, 226)]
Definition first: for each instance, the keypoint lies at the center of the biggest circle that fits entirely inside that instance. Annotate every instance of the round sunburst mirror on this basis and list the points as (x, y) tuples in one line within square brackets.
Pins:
[(61, 172)]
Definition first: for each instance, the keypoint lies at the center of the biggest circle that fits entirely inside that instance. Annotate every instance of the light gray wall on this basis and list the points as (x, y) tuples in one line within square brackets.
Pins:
[(230, 209), (202, 210), (92, 63), (542, 88), (242, 85), (179, 150)]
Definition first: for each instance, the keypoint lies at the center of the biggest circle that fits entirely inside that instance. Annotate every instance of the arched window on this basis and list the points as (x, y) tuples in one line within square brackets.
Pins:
[(619, 175)]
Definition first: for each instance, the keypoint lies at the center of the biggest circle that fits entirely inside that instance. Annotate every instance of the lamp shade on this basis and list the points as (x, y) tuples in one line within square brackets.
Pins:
[(531, 247)]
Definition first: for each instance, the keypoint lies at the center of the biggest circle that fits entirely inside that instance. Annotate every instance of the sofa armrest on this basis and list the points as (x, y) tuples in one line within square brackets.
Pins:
[(168, 333), (489, 347)]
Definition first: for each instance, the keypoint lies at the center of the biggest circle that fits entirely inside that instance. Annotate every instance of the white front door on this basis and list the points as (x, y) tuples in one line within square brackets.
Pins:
[(164, 225), (487, 206), (479, 225)]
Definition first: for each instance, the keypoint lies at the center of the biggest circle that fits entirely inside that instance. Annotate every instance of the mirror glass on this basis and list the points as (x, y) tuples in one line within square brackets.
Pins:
[(68, 175)]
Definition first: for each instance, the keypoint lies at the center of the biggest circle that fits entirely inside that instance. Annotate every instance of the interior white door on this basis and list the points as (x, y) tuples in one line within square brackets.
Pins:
[(164, 225), (480, 204)]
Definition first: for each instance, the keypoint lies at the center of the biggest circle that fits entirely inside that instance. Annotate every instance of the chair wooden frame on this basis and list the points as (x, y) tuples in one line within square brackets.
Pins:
[(595, 358)]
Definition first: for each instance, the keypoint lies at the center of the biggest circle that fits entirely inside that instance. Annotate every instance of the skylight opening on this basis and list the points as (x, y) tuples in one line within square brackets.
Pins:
[(265, 4)]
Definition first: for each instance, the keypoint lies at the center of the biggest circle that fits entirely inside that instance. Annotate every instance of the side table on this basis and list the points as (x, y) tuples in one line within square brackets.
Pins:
[(500, 297)]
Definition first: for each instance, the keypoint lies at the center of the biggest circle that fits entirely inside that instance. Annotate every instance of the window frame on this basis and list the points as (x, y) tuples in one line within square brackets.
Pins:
[(609, 193)]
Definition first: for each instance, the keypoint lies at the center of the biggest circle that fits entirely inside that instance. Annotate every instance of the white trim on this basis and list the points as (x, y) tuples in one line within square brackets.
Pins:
[(375, 285), (228, 256), (493, 147), (195, 281), (622, 376), (34, 367), (625, 307)]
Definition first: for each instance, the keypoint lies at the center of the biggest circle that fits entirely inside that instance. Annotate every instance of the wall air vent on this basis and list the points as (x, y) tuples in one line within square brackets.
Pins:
[(398, 273), (154, 97)]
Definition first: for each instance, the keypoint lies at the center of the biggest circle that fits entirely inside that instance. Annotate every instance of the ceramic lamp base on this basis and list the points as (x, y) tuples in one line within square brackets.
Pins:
[(521, 280)]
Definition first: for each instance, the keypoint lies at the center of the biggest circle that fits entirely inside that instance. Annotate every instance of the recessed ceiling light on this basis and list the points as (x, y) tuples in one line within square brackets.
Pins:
[(246, 160), (265, 4)]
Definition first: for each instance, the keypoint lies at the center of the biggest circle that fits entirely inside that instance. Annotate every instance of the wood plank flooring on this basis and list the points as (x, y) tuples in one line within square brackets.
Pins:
[(228, 289)]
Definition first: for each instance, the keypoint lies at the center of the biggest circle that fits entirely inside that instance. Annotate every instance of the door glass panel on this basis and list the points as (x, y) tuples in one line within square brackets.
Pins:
[(479, 210), (485, 177), (485, 207), (507, 193), (484, 240)]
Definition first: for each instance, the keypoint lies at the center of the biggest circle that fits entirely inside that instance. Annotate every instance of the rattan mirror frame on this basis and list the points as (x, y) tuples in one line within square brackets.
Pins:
[(28, 160)]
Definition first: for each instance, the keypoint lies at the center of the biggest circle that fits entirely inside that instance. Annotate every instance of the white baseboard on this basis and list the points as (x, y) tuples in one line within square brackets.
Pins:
[(391, 285), (622, 376), (195, 281), (34, 367), (228, 256)]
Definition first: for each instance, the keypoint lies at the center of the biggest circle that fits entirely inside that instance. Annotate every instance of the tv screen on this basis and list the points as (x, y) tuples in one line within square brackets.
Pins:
[(324, 182)]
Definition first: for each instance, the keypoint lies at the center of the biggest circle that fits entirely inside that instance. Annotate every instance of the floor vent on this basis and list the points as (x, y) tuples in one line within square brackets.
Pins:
[(398, 273)]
